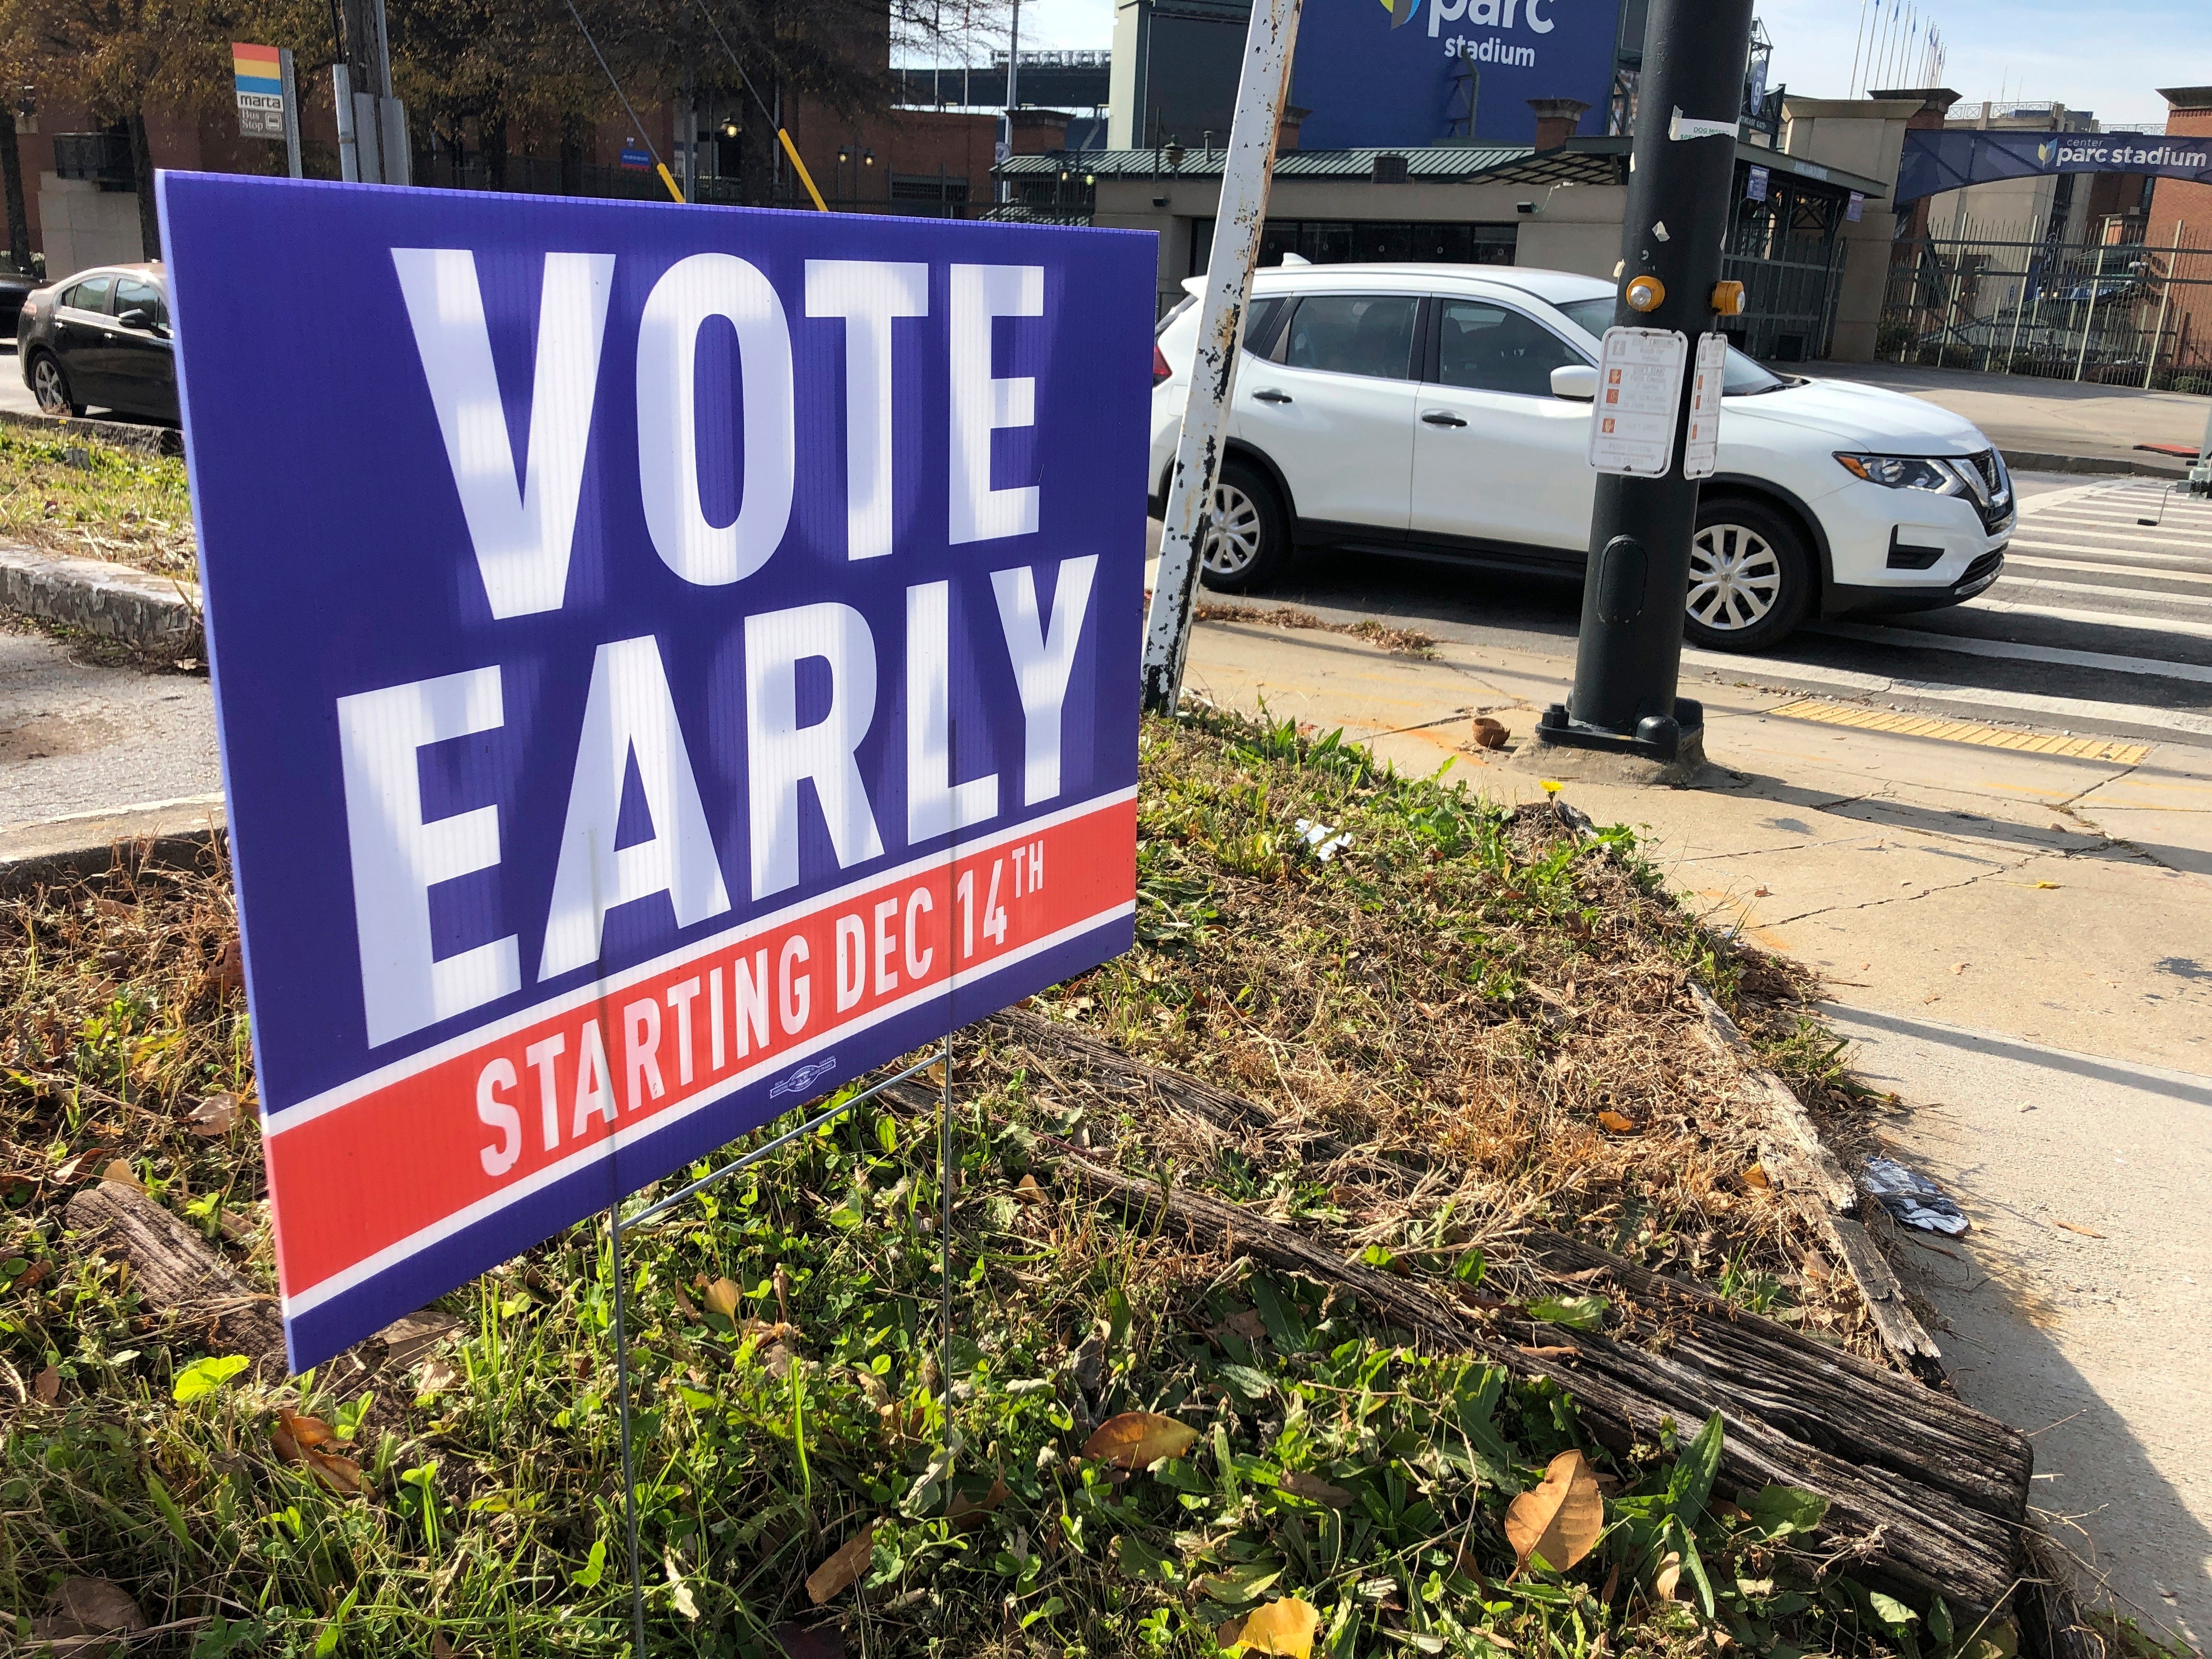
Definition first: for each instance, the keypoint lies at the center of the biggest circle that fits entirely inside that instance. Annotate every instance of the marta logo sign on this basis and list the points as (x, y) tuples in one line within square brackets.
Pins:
[(693, 663)]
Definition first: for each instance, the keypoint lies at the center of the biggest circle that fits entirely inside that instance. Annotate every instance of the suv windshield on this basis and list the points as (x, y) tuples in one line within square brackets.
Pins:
[(1743, 378)]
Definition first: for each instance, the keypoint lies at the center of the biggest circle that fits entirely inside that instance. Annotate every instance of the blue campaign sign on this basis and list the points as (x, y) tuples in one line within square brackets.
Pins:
[(1374, 73), (669, 660)]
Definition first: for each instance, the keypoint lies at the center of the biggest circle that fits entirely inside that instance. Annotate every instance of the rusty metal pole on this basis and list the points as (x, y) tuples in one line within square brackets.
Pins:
[(1238, 223)]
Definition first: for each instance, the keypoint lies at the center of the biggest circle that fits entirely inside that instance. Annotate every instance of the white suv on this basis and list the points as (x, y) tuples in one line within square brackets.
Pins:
[(1442, 411)]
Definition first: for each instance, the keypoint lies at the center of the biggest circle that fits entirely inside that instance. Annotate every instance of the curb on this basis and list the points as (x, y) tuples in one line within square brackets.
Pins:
[(124, 434), (2030, 460), (152, 614), (92, 843), (1823, 1192)]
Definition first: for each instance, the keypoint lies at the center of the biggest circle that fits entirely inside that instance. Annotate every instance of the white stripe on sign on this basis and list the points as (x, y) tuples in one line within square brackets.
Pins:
[(445, 1227), (369, 1083)]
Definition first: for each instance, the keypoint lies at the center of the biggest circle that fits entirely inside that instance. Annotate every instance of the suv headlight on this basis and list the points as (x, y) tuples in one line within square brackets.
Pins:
[(1907, 472)]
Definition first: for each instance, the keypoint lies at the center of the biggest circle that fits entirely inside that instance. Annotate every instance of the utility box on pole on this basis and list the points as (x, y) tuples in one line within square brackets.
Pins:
[(1655, 424)]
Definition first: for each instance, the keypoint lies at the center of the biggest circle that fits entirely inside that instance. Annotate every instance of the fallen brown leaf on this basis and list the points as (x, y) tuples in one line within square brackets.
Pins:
[(215, 1115), (1668, 1576), (2071, 1227), (301, 1440), (1136, 1440), (1028, 1192), (46, 1387), (1284, 1627), (1551, 1352), (437, 1377), (843, 1569), (120, 1174), (1756, 1176), (1314, 1489), (1558, 1519), (81, 1166), (1617, 1124), (972, 1508), (1247, 1324), (440, 1646), (722, 1297)]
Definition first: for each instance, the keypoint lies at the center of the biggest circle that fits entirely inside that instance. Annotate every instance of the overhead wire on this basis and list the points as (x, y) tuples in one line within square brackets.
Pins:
[(782, 135), (645, 137)]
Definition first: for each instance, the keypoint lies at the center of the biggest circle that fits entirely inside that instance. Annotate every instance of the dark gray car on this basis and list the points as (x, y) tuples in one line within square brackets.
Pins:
[(99, 339)]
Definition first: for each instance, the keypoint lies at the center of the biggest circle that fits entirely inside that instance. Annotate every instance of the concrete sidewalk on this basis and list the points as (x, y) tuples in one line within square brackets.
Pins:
[(2022, 414), (2008, 929)]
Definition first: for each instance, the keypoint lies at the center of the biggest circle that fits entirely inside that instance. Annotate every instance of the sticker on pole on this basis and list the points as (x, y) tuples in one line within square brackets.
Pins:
[(668, 662), (1701, 448), (1639, 397)]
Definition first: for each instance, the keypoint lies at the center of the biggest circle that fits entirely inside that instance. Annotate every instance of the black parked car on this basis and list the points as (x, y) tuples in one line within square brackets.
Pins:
[(14, 288), (99, 339)]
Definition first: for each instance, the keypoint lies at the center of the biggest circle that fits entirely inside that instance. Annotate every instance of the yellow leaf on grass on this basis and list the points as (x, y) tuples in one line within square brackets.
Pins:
[(121, 1174), (1282, 1627), (843, 1569), (1560, 1518), (1670, 1574), (1135, 1440), (1617, 1124), (1756, 1176), (722, 1297)]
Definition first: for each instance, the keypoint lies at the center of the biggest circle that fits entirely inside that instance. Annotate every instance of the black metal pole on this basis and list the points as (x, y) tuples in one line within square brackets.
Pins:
[(1680, 186)]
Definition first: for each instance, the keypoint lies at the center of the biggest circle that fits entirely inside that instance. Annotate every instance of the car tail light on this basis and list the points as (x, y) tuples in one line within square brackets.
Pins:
[(1160, 369)]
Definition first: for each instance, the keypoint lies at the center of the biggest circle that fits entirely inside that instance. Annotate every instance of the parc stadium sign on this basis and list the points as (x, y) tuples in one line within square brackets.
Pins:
[(1933, 162), (668, 661)]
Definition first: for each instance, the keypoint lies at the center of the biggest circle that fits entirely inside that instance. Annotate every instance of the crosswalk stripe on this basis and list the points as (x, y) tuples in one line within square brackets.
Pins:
[(2044, 545), (1972, 645), (2159, 595), (2036, 561), (2100, 618)]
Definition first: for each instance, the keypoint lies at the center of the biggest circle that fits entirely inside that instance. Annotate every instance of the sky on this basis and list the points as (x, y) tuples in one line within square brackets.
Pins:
[(2082, 55)]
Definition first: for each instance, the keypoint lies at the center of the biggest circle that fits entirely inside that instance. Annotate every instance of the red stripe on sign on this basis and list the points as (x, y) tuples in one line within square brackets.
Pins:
[(472, 1123)]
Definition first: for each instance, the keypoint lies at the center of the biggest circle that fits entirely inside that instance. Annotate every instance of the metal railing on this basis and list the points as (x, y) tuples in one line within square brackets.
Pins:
[(2122, 313)]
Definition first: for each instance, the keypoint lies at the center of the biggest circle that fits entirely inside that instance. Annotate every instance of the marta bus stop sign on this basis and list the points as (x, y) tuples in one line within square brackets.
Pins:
[(668, 660)]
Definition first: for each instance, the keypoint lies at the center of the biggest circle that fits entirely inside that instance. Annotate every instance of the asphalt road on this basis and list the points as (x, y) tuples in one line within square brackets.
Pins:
[(2098, 623)]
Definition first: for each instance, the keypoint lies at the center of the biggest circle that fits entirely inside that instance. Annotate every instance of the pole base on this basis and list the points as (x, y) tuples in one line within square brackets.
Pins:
[(1661, 751)]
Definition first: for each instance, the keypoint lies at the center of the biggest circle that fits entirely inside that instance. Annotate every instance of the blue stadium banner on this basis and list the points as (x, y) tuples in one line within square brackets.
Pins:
[(668, 661), (1416, 72), (1936, 161)]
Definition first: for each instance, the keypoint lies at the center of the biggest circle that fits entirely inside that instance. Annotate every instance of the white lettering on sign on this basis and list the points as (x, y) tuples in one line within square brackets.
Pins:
[(934, 805), (983, 404), (628, 716), (868, 294), (781, 752), (522, 533), (691, 291), (1701, 448), (398, 858), (1043, 658), (1639, 395)]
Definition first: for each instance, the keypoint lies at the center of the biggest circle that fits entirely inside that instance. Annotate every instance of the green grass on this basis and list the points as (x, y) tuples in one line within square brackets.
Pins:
[(74, 495), (489, 1521)]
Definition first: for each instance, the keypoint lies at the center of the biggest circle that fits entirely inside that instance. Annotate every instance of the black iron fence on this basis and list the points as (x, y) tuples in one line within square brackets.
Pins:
[(2127, 313)]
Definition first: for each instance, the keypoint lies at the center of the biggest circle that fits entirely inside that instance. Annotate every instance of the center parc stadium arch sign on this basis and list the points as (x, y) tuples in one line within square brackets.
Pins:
[(1933, 162), (668, 661)]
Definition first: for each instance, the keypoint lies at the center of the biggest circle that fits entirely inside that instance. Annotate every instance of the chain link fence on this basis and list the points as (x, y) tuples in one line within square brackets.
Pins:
[(2122, 313)]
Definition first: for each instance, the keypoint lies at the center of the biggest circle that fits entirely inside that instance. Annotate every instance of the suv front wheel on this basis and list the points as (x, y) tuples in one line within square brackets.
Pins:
[(1751, 576)]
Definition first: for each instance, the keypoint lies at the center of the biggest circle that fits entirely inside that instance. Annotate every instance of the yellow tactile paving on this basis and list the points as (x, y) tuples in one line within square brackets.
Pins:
[(1947, 730)]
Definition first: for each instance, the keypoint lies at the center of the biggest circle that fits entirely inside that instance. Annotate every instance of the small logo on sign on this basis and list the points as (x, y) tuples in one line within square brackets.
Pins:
[(805, 1078)]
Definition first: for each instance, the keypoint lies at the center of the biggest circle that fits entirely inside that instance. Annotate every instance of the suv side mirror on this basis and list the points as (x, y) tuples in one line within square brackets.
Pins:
[(135, 318), (1577, 382)]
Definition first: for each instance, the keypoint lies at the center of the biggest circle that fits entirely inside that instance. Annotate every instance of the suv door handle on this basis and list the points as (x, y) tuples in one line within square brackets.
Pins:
[(1441, 417), (1269, 395)]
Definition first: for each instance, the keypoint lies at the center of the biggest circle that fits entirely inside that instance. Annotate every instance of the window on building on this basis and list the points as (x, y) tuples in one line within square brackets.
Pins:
[(1360, 241), (1369, 334)]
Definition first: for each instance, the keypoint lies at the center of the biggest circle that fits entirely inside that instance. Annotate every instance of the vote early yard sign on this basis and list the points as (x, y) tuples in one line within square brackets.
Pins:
[(668, 660)]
